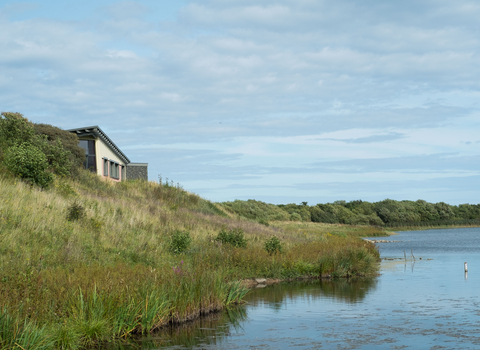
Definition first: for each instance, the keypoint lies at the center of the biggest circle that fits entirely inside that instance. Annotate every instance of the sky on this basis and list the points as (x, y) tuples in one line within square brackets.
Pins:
[(279, 101)]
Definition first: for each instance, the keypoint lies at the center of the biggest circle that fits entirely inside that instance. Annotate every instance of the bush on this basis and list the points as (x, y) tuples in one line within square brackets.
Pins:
[(24, 141), (58, 158), (180, 242), (263, 222), (29, 163), (323, 215), (297, 212), (295, 217), (234, 237), (256, 210), (75, 212), (273, 245), (69, 147)]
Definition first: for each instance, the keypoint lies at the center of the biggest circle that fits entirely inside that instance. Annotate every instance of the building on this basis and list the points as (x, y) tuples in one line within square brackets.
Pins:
[(103, 157)]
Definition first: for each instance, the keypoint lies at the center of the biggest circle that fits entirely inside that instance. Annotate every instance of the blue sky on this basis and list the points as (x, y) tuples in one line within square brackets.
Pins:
[(279, 101)]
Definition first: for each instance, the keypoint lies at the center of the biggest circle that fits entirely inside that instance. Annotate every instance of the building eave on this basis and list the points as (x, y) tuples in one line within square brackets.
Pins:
[(97, 132)]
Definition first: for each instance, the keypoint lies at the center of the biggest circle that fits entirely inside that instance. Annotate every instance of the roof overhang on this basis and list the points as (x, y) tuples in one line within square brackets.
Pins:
[(96, 132)]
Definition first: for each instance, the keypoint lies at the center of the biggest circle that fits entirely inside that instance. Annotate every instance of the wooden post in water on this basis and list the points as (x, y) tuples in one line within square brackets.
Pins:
[(405, 255), (411, 251), (466, 267)]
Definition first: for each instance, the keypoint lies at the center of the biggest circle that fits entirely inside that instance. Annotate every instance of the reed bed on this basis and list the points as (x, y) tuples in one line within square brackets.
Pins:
[(89, 261)]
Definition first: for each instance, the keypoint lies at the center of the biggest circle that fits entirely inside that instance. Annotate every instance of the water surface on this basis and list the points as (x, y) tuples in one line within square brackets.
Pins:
[(426, 303)]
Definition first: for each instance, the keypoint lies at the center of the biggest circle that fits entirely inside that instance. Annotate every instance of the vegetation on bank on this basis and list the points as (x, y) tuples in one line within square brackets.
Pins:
[(84, 260), (90, 260), (387, 213)]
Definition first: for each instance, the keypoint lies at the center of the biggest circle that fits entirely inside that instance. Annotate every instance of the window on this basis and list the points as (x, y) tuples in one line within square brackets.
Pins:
[(90, 160), (114, 171), (105, 166)]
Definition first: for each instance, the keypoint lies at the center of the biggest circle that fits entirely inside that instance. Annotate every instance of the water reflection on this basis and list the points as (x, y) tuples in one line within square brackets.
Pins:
[(213, 330), (347, 291), (209, 330)]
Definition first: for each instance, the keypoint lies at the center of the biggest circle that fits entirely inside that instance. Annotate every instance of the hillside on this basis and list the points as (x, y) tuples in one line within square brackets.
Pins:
[(83, 257), (86, 260)]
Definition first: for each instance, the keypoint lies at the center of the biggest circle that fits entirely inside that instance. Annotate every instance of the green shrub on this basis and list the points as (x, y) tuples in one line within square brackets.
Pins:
[(298, 212), (75, 212), (256, 210), (263, 222), (234, 237), (58, 158), (273, 245), (15, 129), (29, 163), (180, 242), (295, 217), (69, 143), (63, 154)]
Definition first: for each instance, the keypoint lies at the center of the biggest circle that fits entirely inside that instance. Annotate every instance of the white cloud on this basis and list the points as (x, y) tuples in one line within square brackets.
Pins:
[(256, 82), (173, 97)]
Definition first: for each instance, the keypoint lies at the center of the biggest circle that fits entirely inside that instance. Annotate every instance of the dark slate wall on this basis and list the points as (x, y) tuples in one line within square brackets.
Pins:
[(137, 172)]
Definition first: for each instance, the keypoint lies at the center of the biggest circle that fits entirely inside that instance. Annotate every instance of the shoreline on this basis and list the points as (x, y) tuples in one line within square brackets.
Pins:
[(253, 283), (426, 228)]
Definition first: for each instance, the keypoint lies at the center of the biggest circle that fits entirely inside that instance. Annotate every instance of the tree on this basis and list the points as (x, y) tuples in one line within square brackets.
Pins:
[(15, 129)]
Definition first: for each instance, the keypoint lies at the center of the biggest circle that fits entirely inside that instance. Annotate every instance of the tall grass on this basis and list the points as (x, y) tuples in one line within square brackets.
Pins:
[(71, 281)]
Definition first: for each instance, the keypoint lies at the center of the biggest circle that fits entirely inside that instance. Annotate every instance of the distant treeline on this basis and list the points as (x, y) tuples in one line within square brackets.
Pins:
[(390, 213)]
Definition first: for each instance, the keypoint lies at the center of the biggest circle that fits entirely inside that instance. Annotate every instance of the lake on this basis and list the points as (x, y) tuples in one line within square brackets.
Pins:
[(426, 303)]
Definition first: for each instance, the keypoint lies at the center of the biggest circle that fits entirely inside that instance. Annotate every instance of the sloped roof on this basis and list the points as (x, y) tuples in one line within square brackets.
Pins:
[(95, 131)]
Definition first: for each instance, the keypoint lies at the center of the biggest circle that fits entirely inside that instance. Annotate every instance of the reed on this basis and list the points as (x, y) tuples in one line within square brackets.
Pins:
[(21, 334)]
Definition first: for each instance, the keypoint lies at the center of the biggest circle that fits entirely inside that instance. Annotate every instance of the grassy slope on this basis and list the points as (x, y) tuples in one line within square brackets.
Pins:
[(110, 274)]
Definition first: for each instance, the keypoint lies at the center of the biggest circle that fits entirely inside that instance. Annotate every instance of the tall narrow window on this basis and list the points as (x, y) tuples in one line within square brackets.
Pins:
[(105, 167), (90, 160), (114, 171)]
